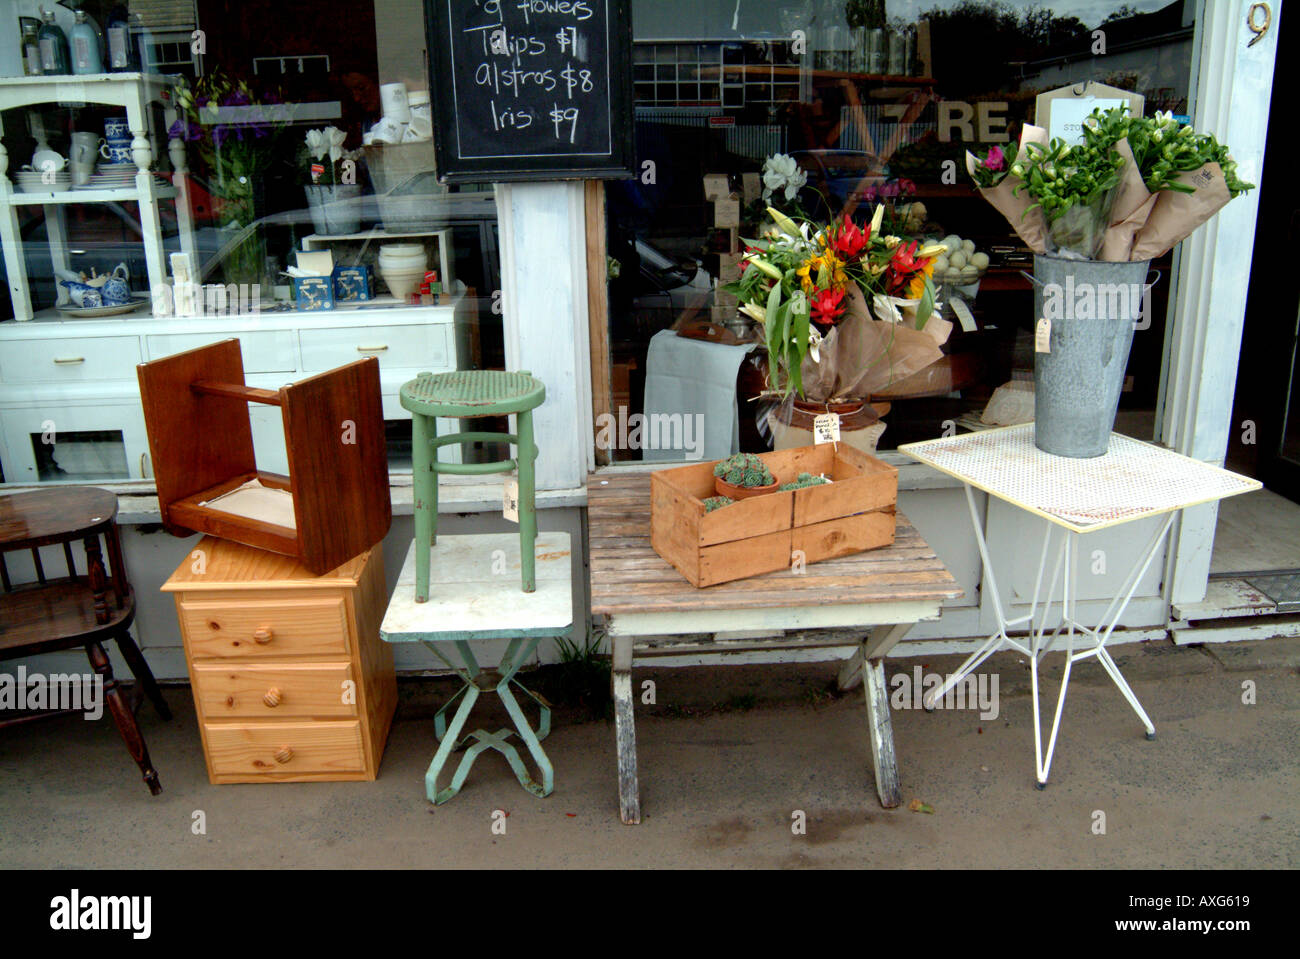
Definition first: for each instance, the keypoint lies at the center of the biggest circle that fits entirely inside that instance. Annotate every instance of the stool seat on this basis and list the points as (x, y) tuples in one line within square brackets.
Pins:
[(468, 393), (460, 395)]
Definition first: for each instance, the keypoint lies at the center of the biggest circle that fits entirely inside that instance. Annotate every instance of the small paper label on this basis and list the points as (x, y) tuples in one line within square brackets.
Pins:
[(510, 500), (117, 46), (317, 171), (1043, 336), (81, 49), (826, 428), (964, 316)]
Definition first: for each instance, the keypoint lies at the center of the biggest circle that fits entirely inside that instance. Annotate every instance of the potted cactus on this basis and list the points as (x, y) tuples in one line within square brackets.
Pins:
[(742, 476)]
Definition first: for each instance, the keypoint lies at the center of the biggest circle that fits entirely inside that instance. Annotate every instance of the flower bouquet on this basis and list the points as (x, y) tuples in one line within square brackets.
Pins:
[(1131, 191), (844, 309)]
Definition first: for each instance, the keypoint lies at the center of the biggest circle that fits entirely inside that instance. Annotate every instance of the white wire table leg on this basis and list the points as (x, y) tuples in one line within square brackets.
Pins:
[(996, 641), (1068, 601)]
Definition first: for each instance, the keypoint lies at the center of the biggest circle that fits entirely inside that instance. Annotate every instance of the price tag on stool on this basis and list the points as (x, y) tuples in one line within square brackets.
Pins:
[(510, 500), (826, 428), (1043, 336)]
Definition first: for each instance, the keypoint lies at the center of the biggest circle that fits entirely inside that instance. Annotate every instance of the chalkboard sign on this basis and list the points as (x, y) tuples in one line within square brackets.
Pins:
[(531, 89)]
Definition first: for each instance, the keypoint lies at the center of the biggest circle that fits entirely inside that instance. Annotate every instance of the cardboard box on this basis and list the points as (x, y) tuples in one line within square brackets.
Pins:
[(728, 268), (716, 186), (853, 513), (315, 291), (726, 212), (353, 284)]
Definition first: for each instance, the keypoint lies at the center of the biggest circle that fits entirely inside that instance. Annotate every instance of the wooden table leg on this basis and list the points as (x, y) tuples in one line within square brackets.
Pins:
[(867, 666), (882, 734), (135, 661), (629, 793)]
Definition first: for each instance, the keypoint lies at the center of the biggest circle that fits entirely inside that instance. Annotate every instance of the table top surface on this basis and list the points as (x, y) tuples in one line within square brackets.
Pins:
[(1132, 481), (475, 591), (629, 577), (48, 515)]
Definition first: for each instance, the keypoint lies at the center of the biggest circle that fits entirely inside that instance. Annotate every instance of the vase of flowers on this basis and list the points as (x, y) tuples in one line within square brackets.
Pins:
[(1095, 214), (332, 173), (233, 138), (845, 309)]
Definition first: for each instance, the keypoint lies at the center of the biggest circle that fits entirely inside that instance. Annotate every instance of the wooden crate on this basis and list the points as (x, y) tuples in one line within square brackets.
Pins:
[(855, 512)]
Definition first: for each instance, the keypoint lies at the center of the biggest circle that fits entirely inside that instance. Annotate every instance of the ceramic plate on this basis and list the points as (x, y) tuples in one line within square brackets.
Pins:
[(87, 312)]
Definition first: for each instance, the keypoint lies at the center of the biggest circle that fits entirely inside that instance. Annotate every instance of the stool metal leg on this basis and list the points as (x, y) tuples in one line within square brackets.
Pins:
[(527, 461), (424, 486)]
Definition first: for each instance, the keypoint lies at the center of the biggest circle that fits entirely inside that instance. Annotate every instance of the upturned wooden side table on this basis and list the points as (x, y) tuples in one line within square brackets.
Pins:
[(290, 680)]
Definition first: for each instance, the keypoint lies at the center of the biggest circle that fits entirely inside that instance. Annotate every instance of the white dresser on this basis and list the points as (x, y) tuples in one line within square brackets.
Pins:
[(70, 402)]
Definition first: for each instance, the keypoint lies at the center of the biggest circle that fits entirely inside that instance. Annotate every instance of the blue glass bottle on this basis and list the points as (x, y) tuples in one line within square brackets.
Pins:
[(123, 49), (55, 56)]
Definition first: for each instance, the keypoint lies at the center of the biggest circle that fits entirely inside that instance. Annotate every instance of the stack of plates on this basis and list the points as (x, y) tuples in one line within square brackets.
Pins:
[(29, 181), (115, 176)]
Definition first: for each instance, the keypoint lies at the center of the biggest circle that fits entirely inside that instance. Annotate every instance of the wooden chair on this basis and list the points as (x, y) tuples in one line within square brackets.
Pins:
[(88, 610), (333, 505)]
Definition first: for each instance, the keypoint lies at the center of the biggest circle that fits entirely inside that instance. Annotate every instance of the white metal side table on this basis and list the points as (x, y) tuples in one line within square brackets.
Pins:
[(1132, 481)]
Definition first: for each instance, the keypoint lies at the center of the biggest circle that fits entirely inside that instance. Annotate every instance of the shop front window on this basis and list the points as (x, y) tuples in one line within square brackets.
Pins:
[(871, 101), (268, 131)]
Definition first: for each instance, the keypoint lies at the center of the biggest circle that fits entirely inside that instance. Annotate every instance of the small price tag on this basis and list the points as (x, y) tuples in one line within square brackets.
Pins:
[(1043, 336), (826, 428), (964, 316), (317, 171), (510, 500)]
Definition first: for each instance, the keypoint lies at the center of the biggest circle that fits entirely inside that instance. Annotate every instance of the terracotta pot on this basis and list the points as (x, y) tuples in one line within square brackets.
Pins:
[(723, 488), (792, 426)]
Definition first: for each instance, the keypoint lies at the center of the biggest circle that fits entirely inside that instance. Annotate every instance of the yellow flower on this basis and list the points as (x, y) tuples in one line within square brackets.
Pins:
[(917, 285)]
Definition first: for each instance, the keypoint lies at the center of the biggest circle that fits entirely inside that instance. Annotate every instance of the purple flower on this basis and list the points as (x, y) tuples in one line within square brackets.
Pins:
[(995, 160)]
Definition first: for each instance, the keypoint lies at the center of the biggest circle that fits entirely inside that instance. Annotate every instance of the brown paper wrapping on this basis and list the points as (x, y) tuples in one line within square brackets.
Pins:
[(1031, 228), (1129, 211), (861, 355), (1175, 215)]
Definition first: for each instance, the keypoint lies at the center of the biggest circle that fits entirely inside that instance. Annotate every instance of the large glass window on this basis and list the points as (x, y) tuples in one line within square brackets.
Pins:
[(268, 130), (875, 100)]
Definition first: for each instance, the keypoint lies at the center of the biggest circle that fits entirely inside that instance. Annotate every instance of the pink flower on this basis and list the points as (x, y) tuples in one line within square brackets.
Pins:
[(995, 160)]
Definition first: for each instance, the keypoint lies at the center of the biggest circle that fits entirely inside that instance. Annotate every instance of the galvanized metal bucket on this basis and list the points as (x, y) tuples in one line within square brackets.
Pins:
[(1092, 306)]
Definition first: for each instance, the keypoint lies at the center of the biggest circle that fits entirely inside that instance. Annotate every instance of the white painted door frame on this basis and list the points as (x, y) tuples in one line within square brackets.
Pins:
[(544, 311), (1233, 86)]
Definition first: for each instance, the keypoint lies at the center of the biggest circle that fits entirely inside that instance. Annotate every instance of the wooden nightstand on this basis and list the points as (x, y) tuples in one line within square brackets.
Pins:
[(291, 681)]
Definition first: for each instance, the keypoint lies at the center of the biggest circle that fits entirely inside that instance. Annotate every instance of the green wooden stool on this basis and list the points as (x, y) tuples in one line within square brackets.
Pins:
[(462, 395)]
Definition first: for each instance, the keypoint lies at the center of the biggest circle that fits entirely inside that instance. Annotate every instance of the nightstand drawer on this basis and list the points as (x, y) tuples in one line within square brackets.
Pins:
[(265, 691), (70, 360), (304, 627), (423, 346), (284, 749)]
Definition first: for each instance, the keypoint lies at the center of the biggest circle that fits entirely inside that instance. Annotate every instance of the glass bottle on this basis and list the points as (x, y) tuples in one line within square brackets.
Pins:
[(85, 46), (31, 51), (123, 52), (55, 56)]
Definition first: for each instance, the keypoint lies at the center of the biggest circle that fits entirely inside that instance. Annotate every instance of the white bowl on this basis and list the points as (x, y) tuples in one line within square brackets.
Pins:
[(402, 282)]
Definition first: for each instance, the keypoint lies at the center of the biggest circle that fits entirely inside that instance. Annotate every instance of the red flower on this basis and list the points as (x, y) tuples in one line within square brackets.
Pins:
[(849, 240), (828, 306), (904, 258)]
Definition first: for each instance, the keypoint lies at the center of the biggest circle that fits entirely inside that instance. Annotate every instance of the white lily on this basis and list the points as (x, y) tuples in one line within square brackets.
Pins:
[(876, 219), (814, 344), (754, 312)]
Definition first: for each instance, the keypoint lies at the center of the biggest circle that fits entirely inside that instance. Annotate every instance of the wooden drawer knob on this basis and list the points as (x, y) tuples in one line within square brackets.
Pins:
[(273, 697), (262, 635), (283, 754)]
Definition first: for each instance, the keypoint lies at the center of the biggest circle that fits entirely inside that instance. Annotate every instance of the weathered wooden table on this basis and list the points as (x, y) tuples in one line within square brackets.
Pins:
[(868, 600)]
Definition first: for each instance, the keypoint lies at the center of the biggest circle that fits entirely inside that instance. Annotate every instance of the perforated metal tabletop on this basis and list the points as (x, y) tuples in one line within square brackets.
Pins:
[(1131, 481)]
